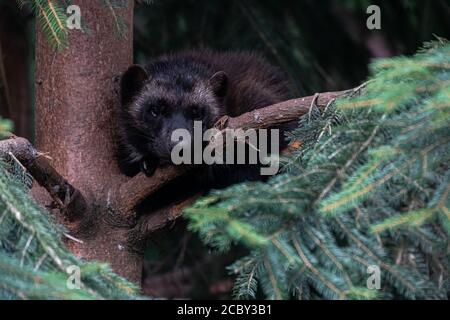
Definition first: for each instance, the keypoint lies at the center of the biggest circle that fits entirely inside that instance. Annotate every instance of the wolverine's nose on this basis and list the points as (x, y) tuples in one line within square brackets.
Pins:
[(175, 122), (179, 121)]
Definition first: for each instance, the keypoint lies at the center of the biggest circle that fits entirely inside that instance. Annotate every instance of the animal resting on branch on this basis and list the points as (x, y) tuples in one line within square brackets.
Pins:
[(128, 193)]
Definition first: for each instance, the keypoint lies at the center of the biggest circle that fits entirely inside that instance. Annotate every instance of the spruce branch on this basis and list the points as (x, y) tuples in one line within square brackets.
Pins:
[(34, 261), (69, 200), (52, 19), (369, 187)]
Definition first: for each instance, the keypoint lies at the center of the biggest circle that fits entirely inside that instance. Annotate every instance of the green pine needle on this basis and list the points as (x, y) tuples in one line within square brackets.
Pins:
[(369, 187)]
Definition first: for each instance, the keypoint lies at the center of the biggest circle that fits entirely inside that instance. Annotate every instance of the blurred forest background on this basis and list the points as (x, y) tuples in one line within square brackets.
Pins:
[(321, 46)]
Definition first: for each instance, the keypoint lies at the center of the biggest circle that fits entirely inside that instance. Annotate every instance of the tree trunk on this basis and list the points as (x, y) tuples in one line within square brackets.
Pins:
[(75, 135), (75, 126)]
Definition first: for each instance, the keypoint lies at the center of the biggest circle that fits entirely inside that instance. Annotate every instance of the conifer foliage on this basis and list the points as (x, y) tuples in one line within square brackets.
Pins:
[(369, 187), (34, 262), (52, 19)]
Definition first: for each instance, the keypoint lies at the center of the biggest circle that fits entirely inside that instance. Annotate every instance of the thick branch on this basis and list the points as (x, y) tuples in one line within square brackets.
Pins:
[(69, 199), (279, 113), (135, 190), (159, 219), (147, 224)]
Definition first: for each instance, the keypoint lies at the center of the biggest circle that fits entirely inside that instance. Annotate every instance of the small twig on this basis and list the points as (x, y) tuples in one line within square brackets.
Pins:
[(313, 104), (328, 105), (45, 155), (17, 161), (362, 86), (40, 261), (72, 238)]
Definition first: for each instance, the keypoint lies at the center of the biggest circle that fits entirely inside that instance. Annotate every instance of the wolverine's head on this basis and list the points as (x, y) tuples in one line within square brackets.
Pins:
[(163, 97)]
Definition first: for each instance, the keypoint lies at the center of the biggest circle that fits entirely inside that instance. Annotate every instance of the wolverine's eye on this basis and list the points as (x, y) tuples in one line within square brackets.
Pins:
[(150, 112), (196, 113), (154, 110)]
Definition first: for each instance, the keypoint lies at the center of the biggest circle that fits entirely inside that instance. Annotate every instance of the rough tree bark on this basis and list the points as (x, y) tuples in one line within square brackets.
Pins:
[(75, 136), (75, 103)]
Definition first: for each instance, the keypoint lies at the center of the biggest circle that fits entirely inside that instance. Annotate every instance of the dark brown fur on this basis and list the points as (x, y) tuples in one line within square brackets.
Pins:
[(253, 83), (218, 84)]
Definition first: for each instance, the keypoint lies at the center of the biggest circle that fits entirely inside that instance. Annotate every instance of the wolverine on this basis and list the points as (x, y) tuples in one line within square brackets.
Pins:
[(177, 89)]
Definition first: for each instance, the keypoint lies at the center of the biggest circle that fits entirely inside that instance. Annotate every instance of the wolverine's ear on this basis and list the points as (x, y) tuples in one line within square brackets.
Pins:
[(219, 83), (131, 82)]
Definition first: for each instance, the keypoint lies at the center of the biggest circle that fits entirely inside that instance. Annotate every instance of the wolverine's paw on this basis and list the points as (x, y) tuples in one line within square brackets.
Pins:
[(148, 166)]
